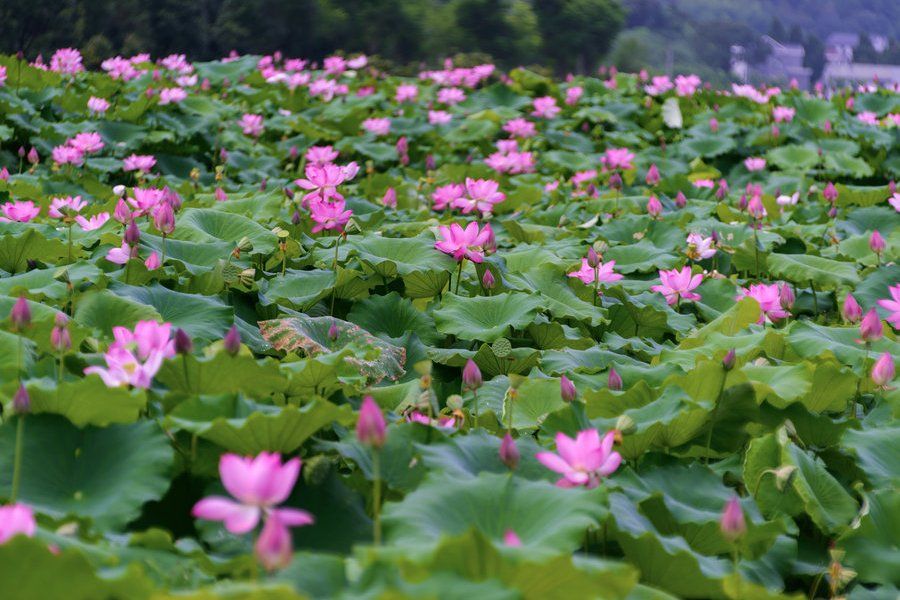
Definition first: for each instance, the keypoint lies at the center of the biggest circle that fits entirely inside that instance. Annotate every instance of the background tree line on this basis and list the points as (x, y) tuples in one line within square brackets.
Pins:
[(563, 34)]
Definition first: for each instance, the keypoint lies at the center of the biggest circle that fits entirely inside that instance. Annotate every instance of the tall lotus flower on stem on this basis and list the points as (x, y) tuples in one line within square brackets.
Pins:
[(676, 285), (582, 461), (509, 452), (851, 311), (471, 379), (870, 330), (371, 430), (732, 523), (463, 243), (164, 221), (258, 485), (877, 244), (594, 270), (883, 371)]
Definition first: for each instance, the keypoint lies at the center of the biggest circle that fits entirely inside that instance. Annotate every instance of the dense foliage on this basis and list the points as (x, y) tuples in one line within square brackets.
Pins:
[(274, 331)]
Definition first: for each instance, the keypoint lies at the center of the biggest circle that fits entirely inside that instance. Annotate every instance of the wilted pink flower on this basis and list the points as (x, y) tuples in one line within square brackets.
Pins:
[(377, 125), (463, 243), (445, 195), (617, 158), (883, 371), (545, 107), (371, 428), (66, 61), (732, 523), (769, 298), (16, 519), (870, 328), (251, 125), (21, 211), (258, 484), (603, 272), (329, 215), (481, 195), (97, 105), (439, 117), (583, 460), (783, 114), (171, 96), (754, 163), (520, 128), (892, 305), (676, 285), (94, 222), (321, 155), (699, 247), (138, 162)]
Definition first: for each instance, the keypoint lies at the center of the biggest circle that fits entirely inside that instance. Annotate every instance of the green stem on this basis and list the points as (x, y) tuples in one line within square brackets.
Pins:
[(815, 297), (712, 417), (756, 249), (17, 460), (184, 366), (376, 495), (458, 276), (69, 261), (475, 408), (163, 261), (596, 284)]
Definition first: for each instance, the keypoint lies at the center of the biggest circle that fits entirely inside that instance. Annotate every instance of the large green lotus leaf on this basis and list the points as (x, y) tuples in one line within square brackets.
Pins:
[(86, 401), (392, 315), (474, 556), (803, 268), (203, 317), (640, 257), (309, 336), (876, 450), (832, 387), (780, 384), (301, 289), (742, 314), (502, 362), (773, 493), (840, 163), (194, 257), (208, 225), (390, 257), (17, 250), (860, 195), (793, 157), (103, 310), (871, 545), (49, 282), (815, 110), (559, 299), (535, 399), (810, 340), (875, 286), (706, 146), (479, 451), (542, 515), (29, 569), (248, 428), (644, 315), (223, 373), (485, 318), (104, 474)]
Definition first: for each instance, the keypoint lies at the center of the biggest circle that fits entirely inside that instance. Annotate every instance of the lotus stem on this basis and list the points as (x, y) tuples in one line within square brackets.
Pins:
[(376, 496)]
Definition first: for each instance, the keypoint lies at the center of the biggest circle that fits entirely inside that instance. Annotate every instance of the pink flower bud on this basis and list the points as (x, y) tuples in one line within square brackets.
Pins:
[(164, 218), (232, 341), (471, 376), (60, 339), (732, 522), (652, 175), (729, 360), (293, 153), (511, 539), (487, 280), (274, 547), (33, 157), (614, 380), (871, 328), (714, 124), (830, 192), (680, 199), (883, 370), (615, 181), (153, 262), (183, 342), (132, 234), (333, 332), (592, 257), (509, 452), (852, 311), (371, 428), (4, 174), (567, 389), (654, 206), (122, 213), (390, 198), (786, 294), (20, 315), (220, 195), (876, 243), (22, 401)]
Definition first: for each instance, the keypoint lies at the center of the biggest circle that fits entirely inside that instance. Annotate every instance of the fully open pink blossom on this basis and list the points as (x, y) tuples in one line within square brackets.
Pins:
[(464, 243), (138, 162), (329, 215), (444, 196), (754, 163), (439, 117), (520, 128), (67, 155), (172, 95), (258, 484), (573, 95), (893, 305), (686, 85), (21, 211), (322, 180), (545, 107), (677, 285), (377, 125), (94, 222), (700, 247), (321, 155), (769, 298), (406, 92), (251, 125), (783, 114), (618, 158), (66, 61), (16, 519), (582, 461), (67, 206), (135, 357), (451, 96), (603, 273), (481, 195)]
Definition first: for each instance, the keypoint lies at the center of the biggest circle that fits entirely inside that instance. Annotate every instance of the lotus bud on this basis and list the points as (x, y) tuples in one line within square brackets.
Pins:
[(22, 151), (183, 342), (652, 175), (293, 153), (852, 311), (220, 195), (614, 380), (511, 539), (567, 389), (722, 190), (223, 155), (487, 280), (296, 217), (471, 376), (680, 199), (122, 213), (371, 428), (615, 181), (263, 184), (232, 341), (729, 360), (429, 163), (786, 294), (830, 192), (132, 234), (593, 258), (832, 212), (274, 546), (333, 332), (288, 193), (60, 338), (20, 315), (883, 370), (390, 198), (654, 207), (33, 157), (876, 243), (4, 174), (871, 328), (21, 400), (732, 522), (509, 452), (715, 237), (164, 218), (714, 124)]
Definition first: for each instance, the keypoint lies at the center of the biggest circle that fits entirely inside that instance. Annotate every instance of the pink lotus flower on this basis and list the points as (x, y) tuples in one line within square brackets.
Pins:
[(852, 311), (321, 155), (652, 177), (97, 105), (464, 243), (769, 298), (67, 155), (603, 273), (138, 162), (754, 163), (377, 125), (481, 195), (704, 184), (322, 181), (66, 61), (883, 371), (446, 195), (390, 198), (124, 368), (870, 328), (171, 95), (329, 215), (439, 117), (145, 200), (2, 76), (659, 85), (700, 247), (251, 125), (122, 254), (783, 114), (152, 263), (451, 96), (66, 207), (119, 68), (520, 128), (21, 211), (617, 158), (893, 305), (654, 207), (573, 95), (732, 522), (894, 201), (406, 93), (868, 118), (259, 484), (87, 142), (16, 519), (545, 107), (677, 285), (511, 540), (584, 460), (686, 85), (95, 222)]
